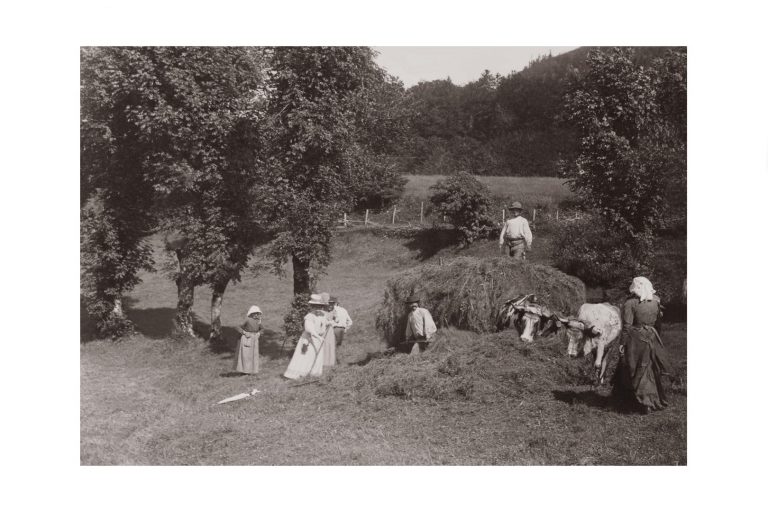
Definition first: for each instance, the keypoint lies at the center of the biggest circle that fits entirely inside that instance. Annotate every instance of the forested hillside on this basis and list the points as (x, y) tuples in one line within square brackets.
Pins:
[(499, 125)]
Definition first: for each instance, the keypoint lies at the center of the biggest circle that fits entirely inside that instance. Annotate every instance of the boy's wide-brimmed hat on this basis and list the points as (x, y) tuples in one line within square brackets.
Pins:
[(412, 298), (317, 300), (516, 206), (254, 309)]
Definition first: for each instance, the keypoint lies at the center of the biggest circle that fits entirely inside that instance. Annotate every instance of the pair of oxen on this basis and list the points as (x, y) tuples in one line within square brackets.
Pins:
[(594, 329)]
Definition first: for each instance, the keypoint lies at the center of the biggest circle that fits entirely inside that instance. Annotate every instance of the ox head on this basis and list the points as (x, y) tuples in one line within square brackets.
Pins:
[(530, 319), (581, 337)]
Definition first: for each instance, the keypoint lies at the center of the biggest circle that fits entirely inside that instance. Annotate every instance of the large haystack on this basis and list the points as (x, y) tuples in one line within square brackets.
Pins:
[(467, 293)]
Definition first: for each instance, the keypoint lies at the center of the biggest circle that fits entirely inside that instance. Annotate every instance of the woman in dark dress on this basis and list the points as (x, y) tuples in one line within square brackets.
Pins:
[(247, 356), (643, 358)]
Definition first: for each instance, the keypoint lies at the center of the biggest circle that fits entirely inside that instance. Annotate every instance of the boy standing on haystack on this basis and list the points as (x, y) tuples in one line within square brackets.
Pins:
[(516, 234), (420, 327)]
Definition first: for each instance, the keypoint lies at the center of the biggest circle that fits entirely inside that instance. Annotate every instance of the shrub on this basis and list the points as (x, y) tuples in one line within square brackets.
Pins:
[(382, 188), (465, 201), (601, 256), (467, 293), (112, 253)]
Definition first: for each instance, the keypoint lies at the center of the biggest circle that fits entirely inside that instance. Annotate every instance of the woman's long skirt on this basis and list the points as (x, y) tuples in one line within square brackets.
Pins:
[(638, 375), (310, 356), (247, 360)]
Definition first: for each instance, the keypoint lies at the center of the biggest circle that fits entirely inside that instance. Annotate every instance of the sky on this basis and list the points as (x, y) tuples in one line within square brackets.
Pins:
[(462, 64)]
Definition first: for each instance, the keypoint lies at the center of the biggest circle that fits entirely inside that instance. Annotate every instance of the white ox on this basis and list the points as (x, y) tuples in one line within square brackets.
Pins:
[(596, 327)]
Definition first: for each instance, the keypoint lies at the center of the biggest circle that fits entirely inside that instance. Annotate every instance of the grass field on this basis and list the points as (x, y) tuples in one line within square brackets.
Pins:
[(483, 400), (536, 192)]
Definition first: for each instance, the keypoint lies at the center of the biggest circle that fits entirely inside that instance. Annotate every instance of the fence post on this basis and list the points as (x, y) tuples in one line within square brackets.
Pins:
[(503, 215), (421, 213), (345, 220), (557, 214), (534, 215), (394, 211), (366, 217)]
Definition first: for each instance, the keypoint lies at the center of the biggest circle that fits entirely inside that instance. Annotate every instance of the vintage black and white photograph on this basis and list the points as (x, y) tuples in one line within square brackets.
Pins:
[(383, 255)]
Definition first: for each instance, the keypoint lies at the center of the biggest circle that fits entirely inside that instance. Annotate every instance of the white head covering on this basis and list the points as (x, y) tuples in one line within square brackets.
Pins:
[(643, 288), (254, 309)]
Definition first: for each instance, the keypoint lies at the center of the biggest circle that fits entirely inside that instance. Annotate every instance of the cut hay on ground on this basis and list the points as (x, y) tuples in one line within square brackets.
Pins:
[(461, 365), (467, 293)]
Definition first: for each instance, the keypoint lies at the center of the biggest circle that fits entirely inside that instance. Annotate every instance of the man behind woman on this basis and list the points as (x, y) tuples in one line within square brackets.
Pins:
[(316, 347)]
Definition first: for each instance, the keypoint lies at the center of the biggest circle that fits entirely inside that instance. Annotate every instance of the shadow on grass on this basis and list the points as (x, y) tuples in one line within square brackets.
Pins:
[(270, 343), (156, 323), (428, 242), (594, 399)]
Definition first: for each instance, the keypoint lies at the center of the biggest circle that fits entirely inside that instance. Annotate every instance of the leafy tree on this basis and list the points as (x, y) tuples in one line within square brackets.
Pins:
[(465, 201), (170, 140), (112, 252), (629, 155), (116, 196), (211, 200), (330, 110)]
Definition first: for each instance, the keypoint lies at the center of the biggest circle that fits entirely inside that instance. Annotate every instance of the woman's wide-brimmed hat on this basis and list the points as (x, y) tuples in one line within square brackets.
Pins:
[(516, 206), (317, 300), (412, 298)]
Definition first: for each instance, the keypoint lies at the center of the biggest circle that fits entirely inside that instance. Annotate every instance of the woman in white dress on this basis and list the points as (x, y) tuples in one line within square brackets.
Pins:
[(310, 354)]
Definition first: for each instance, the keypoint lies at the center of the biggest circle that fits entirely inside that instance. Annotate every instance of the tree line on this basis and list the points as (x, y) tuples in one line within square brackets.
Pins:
[(511, 125)]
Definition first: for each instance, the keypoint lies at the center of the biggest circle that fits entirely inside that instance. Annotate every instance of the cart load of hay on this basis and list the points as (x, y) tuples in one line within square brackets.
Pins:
[(467, 293)]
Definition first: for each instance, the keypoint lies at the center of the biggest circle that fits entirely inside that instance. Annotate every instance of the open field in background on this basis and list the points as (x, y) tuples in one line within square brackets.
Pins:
[(545, 194), (534, 190), (487, 400)]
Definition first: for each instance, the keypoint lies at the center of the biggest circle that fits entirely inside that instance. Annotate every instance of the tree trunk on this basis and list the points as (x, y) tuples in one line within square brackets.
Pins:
[(182, 323), (302, 283), (215, 337)]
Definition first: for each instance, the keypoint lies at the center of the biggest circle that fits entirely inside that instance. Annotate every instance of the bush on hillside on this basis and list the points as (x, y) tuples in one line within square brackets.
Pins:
[(600, 256), (467, 293), (381, 189), (465, 201)]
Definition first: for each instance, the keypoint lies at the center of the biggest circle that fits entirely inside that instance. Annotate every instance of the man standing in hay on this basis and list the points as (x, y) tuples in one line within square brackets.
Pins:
[(516, 234), (420, 328), (340, 320)]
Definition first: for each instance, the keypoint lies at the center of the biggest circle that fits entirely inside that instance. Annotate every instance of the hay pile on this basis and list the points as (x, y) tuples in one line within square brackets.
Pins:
[(467, 293)]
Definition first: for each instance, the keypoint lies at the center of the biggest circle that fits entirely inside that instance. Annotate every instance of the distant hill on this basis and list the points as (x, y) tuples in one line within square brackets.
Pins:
[(498, 125)]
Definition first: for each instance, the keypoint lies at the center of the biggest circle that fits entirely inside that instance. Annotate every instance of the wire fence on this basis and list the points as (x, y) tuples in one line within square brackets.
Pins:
[(423, 216)]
